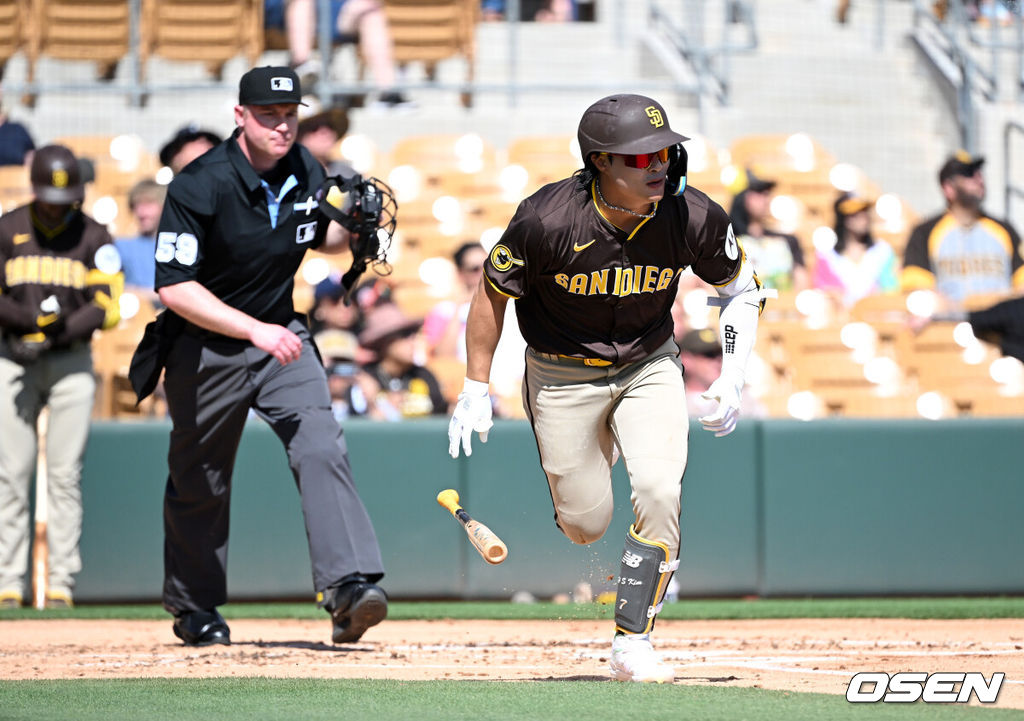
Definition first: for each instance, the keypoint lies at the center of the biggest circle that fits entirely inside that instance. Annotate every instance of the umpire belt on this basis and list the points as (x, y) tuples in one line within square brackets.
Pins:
[(573, 360)]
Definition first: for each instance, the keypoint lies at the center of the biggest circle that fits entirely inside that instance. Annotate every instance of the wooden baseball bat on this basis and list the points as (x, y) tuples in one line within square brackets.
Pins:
[(491, 548), (40, 547)]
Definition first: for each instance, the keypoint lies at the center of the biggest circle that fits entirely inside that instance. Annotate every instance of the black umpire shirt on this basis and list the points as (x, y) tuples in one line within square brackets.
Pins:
[(240, 234), (586, 288)]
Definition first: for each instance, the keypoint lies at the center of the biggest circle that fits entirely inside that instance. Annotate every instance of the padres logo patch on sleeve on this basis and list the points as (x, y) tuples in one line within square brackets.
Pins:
[(502, 259)]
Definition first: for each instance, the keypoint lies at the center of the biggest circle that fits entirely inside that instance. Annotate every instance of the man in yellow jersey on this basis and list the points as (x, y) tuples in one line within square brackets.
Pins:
[(963, 251)]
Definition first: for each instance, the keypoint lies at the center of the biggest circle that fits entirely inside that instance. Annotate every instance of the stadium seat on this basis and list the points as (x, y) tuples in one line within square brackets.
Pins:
[(546, 158), (769, 155), (15, 188), (429, 31), (90, 30), (112, 353), (208, 31), (861, 402), (13, 14), (989, 403), (434, 155)]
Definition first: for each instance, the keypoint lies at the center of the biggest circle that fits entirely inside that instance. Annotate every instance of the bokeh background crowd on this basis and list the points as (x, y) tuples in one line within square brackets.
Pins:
[(832, 132)]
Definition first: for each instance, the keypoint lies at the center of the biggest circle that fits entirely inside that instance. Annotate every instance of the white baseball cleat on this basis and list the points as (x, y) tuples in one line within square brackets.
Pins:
[(634, 659)]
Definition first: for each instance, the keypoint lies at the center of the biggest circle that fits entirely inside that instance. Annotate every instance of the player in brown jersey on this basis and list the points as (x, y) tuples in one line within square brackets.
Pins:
[(60, 276), (593, 264)]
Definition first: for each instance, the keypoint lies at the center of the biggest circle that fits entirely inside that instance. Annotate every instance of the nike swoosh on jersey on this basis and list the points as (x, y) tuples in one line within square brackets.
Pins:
[(20, 238), (577, 247)]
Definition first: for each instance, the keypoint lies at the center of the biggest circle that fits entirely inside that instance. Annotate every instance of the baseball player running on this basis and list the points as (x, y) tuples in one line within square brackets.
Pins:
[(593, 263), (234, 229)]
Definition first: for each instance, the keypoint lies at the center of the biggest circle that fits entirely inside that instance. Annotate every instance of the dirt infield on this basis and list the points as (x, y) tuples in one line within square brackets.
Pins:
[(794, 655)]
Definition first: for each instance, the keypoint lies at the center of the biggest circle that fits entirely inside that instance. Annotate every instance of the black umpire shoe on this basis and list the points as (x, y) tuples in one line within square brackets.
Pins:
[(354, 607), (201, 628)]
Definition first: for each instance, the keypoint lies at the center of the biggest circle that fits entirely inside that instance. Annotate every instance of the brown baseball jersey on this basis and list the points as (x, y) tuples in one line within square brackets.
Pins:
[(76, 262), (584, 287)]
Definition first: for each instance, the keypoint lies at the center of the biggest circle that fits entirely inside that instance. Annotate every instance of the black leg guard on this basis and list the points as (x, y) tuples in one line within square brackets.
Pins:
[(643, 578)]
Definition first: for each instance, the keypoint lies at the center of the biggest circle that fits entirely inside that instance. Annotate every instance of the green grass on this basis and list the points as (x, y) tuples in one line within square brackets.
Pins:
[(923, 607), (358, 700), (235, 699)]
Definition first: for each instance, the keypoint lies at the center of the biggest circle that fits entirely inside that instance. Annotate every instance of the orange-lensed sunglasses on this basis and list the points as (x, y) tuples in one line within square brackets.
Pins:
[(643, 160)]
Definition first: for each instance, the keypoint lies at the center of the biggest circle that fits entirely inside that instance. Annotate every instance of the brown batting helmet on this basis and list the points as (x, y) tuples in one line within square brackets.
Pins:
[(56, 176), (628, 124)]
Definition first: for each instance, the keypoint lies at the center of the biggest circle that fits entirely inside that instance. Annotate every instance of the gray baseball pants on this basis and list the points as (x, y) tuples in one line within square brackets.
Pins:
[(211, 384), (579, 411), (63, 380)]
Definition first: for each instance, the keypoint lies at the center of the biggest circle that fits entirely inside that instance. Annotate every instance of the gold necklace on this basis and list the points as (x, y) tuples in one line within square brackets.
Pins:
[(600, 195)]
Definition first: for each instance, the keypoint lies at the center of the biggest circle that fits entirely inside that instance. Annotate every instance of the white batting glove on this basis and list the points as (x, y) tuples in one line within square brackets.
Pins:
[(472, 413), (726, 390)]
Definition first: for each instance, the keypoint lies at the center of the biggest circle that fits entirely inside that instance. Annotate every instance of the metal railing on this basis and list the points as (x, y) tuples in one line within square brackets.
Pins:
[(995, 43), (953, 44), (684, 47)]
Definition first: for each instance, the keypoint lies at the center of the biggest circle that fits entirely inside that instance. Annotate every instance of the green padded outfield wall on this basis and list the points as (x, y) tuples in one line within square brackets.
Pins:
[(776, 508)]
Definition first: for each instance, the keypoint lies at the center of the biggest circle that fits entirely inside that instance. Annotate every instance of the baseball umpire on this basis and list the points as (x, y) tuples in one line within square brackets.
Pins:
[(60, 276), (593, 263), (235, 227)]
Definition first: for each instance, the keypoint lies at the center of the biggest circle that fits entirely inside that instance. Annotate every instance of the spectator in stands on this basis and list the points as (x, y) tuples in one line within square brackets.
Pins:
[(963, 251), (339, 350), (444, 330), (858, 264), (556, 11), (539, 10), (362, 20), (778, 257), (445, 324), (187, 144), (396, 386), (16, 144), (842, 11), (146, 201), (701, 356), (320, 134), (330, 311), (492, 10)]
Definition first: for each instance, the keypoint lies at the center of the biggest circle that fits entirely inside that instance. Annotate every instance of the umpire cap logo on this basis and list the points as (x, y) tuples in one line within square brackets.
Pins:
[(501, 258), (657, 119)]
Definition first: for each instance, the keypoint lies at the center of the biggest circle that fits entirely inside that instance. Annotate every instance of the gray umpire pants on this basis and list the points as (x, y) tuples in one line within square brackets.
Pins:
[(579, 411), (211, 384), (62, 379)]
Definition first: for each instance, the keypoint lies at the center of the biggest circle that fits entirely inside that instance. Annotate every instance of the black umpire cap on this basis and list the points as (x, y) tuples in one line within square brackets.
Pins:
[(961, 163), (270, 85)]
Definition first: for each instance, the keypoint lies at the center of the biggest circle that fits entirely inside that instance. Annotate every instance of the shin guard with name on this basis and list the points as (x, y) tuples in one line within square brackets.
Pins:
[(643, 578)]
